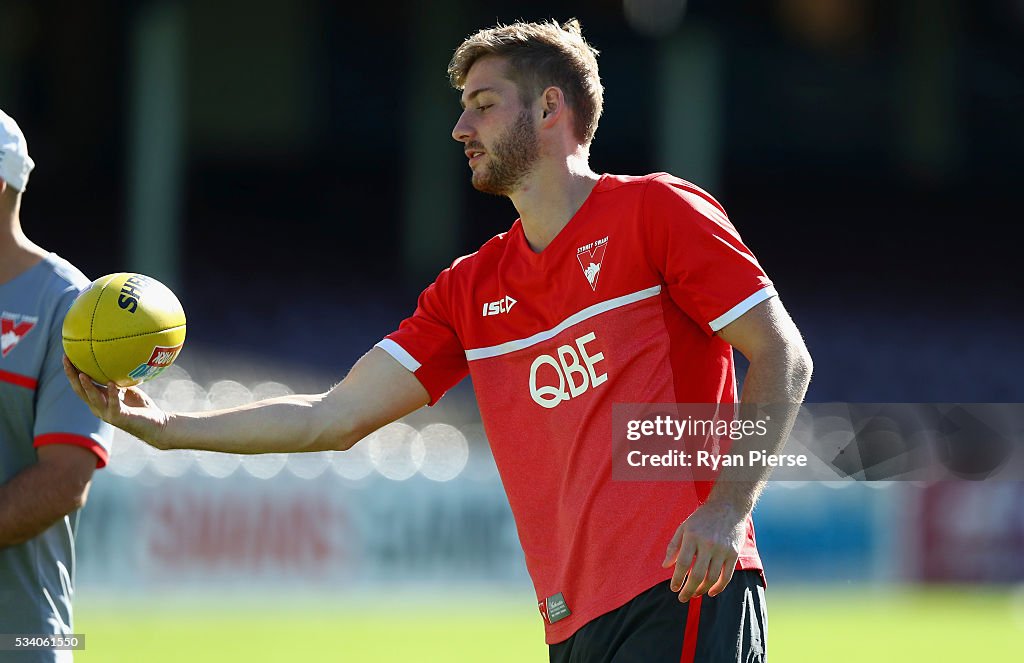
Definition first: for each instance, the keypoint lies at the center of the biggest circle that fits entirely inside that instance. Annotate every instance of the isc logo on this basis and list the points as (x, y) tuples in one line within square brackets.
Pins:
[(503, 305), (574, 373)]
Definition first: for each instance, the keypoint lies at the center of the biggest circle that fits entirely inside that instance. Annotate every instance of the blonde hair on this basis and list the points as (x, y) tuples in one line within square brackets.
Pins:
[(540, 55)]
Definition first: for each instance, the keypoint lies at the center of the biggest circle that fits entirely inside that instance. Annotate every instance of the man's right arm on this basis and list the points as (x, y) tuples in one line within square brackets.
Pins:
[(377, 391)]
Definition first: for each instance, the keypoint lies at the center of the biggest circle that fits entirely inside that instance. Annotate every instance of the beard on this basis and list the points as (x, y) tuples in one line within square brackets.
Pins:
[(510, 160)]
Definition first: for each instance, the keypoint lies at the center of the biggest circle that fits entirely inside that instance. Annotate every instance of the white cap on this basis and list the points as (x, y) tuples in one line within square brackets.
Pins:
[(15, 163)]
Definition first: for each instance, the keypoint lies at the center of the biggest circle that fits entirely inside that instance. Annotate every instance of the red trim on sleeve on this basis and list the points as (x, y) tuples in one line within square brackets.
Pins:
[(18, 380), (77, 440), (690, 635)]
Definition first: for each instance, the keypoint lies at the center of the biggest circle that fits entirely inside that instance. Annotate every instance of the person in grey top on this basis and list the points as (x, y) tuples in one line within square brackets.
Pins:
[(50, 443)]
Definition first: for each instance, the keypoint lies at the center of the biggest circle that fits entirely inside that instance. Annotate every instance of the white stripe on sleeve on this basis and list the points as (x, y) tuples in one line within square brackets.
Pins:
[(400, 355), (741, 308)]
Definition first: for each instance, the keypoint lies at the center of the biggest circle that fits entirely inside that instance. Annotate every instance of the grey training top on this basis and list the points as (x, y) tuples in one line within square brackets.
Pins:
[(38, 407)]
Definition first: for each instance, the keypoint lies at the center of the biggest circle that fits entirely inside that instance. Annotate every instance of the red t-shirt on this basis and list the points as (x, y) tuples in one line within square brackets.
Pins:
[(621, 307)]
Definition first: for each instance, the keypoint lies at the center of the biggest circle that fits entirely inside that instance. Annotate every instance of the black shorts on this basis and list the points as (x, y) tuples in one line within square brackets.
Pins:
[(656, 628)]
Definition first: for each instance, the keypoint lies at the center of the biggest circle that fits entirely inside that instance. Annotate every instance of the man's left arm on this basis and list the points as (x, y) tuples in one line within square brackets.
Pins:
[(706, 545), (44, 492)]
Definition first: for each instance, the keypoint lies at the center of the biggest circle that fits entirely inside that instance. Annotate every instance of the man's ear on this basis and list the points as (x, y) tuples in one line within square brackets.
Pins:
[(552, 102)]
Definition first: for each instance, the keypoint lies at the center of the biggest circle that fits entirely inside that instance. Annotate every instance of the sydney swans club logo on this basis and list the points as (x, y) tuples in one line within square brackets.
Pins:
[(591, 256), (13, 328)]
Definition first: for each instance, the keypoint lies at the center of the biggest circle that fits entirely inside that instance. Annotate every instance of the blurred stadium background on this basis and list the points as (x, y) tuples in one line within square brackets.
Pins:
[(286, 166)]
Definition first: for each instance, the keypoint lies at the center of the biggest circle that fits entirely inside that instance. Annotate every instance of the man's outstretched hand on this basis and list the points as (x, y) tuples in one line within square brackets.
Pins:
[(129, 409), (705, 548)]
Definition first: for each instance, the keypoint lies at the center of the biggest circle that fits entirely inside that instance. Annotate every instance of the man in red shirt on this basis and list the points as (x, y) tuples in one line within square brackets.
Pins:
[(607, 289)]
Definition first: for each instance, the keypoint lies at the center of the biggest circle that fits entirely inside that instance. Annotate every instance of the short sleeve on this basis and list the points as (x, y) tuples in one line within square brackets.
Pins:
[(708, 270), (62, 417), (426, 343)]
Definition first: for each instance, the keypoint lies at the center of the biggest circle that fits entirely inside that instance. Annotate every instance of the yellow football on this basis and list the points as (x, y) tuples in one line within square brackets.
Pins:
[(124, 328)]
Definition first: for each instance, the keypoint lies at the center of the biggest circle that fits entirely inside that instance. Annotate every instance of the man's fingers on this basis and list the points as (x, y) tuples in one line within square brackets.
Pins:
[(708, 544), (713, 576), (72, 374), (686, 553), (95, 396), (112, 399), (673, 547), (134, 397), (696, 576), (92, 395), (728, 569)]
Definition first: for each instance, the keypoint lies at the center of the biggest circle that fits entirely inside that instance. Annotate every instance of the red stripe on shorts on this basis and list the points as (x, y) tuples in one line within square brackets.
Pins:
[(690, 635)]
